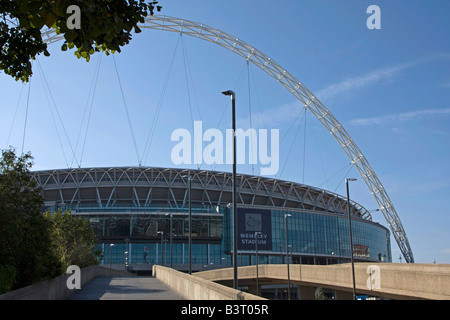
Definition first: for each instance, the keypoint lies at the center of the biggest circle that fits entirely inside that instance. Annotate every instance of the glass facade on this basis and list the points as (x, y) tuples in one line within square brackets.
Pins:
[(316, 235), (151, 225), (143, 238)]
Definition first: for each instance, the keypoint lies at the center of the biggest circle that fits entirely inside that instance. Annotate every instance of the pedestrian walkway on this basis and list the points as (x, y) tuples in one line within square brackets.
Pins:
[(126, 288)]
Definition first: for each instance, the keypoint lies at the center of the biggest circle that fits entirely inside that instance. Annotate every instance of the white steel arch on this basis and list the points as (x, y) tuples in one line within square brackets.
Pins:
[(296, 88)]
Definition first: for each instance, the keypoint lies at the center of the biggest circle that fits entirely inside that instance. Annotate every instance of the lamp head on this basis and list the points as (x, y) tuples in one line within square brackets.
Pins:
[(228, 93)]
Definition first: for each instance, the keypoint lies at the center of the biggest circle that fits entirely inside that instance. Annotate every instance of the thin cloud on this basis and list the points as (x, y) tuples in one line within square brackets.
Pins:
[(282, 114), (351, 84), (426, 187), (273, 118), (373, 77), (400, 117)]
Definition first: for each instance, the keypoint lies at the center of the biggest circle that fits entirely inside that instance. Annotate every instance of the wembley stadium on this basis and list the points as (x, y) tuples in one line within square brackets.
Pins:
[(133, 210)]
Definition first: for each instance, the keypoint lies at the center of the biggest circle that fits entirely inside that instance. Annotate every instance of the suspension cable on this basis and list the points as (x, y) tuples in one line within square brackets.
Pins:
[(304, 147), (189, 73), (316, 143), (334, 175), (26, 116), (250, 118), (346, 175), (185, 63), (126, 110), (149, 140), (228, 102), (302, 112), (14, 118), (51, 113), (56, 109), (93, 90)]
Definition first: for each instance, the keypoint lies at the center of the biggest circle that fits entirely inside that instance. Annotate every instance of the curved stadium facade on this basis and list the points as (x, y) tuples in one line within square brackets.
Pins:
[(134, 208)]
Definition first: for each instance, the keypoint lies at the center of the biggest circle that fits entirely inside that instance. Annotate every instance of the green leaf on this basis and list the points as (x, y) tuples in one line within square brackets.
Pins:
[(36, 21), (49, 18), (70, 36), (104, 22)]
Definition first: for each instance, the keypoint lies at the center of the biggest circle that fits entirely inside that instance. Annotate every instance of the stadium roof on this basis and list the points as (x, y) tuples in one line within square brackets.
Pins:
[(143, 187)]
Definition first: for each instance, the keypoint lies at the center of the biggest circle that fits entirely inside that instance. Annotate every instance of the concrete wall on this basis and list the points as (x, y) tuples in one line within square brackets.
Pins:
[(194, 288), (56, 289), (395, 280)]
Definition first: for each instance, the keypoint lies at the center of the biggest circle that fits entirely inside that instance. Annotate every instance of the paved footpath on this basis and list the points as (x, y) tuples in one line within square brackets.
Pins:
[(126, 288)]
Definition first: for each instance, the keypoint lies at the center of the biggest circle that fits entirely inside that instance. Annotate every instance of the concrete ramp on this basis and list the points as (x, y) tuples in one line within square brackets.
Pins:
[(126, 288)]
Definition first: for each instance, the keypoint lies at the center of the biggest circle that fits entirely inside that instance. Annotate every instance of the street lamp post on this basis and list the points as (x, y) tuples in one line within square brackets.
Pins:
[(171, 238), (125, 260), (110, 256), (233, 120), (128, 249), (256, 256), (127, 253), (350, 235), (190, 221), (162, 250), (286, 216)]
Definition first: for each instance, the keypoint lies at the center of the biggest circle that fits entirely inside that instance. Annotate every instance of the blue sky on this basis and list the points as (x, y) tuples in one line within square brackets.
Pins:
[(389, 88)]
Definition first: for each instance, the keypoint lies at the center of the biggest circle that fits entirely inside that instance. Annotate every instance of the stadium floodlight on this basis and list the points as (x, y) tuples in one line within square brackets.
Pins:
[(350, 235)]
